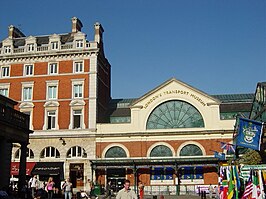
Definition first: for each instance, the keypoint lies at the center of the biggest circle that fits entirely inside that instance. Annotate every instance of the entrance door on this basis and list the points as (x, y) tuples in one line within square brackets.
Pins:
[(117, 178), (76, 175)]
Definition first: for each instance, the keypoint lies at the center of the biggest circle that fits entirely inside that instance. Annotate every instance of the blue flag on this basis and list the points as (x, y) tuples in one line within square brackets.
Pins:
[(249, 134), (220, 156)]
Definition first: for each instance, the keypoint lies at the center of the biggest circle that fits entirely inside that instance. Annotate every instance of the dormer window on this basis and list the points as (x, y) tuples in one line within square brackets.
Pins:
[(79, 43), (30, 47), (54, 45), (7, 49)]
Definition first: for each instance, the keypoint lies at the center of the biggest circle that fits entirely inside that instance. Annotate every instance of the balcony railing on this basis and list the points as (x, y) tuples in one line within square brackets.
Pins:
[(13, 117), (92, 45)]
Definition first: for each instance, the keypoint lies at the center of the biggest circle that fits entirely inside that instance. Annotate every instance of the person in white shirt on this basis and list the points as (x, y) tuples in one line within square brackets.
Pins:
[(33, 184), (126, 192), (67, 187)]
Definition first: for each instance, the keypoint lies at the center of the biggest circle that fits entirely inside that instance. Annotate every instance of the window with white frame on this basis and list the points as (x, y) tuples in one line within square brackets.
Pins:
[(52, 92), (77, 119), (30, 47), (5, 71), (53, 68), (30, 119), (50, 152), (7, 49), (27, 93), (75, 152), (29, 154), (51, 120), (78, 90), (78, 67), (28, 69), (4, 91), (79, 43), (54, 45)]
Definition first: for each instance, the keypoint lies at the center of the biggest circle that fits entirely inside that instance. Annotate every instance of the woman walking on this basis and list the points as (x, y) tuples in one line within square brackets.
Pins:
[(67, 187), (50, 188)]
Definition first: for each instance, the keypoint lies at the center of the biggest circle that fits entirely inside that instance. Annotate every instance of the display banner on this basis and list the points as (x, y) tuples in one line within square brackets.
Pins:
[(249, 134)]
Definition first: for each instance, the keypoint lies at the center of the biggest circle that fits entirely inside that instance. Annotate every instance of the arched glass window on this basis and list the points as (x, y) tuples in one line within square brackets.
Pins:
[(76, 151), (29, 154), (50, 152), (175, 114), (191, 150), (161, 151), (115, 152)]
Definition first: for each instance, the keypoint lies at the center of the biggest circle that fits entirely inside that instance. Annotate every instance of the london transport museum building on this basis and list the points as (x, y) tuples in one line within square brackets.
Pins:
[(164, 138)]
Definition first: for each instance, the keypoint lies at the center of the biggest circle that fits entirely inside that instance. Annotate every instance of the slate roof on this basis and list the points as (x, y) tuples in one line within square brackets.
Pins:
[(42, 40)]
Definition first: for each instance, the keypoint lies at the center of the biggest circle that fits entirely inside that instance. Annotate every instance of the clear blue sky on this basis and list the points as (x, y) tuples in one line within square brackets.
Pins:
[(217, 46)]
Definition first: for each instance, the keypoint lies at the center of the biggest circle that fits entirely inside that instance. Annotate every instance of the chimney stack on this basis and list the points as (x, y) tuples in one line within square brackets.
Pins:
[(14, 32), (98, 32), (76, 25)]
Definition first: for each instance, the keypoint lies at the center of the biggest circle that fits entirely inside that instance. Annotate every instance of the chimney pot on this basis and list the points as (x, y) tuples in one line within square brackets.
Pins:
[(76, 25)]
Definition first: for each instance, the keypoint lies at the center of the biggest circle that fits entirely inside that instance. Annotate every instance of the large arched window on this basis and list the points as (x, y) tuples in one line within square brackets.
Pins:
[(50, 152), (76, 152), (29, 154), (161, 151), (175, 114), (115, 152), (191, 150)]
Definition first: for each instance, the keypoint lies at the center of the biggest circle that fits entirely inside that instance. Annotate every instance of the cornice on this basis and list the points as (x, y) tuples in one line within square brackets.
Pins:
[(66, 55)]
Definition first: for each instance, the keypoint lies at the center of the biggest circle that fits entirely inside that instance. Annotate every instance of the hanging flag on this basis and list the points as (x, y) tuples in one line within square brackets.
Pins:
[(228, 147), (261, 183), (220, 156), (249, 134), (231, 185), (236, 181), (248, 190), (255, 182)]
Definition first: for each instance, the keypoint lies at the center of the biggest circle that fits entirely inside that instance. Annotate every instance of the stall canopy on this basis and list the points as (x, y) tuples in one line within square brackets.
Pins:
[(14, 168), (49, 168)]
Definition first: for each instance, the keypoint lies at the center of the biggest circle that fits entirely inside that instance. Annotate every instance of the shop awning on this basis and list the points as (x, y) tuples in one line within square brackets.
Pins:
[(14, 168), (49, 168), (147, 162)]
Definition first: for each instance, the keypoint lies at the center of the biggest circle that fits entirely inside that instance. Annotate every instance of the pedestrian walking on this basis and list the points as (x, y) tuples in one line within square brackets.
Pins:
[(141, 190), (33, 185), (50, 185), (67, 187), (126, 192), (108, 191), (210, 190)]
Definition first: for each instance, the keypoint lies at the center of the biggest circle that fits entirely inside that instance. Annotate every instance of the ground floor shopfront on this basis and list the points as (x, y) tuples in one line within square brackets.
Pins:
[(170, 176)]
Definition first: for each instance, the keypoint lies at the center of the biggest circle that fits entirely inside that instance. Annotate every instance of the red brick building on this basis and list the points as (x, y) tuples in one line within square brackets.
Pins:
[(63, 82)]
